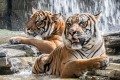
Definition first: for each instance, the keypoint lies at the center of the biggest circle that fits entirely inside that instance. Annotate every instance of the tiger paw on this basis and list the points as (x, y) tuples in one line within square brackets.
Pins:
[(98, 63), (40, 65), (15, 40)]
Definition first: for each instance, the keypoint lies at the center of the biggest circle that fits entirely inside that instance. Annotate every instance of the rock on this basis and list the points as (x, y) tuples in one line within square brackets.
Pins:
[(21, 63), (16, 64), (20, 49), (4, 62), (2, 53), (6, 52), (113, 66), (112, 43), (10, 57), (93, 78), (14, 53), (109, 73), (114, 58), (112, 71)]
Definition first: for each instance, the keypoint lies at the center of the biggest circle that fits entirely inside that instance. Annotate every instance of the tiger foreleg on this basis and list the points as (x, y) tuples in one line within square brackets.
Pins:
[(79, 67), (44, 46)]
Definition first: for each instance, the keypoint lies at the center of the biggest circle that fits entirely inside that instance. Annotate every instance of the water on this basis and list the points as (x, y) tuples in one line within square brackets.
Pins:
[(110, 19)]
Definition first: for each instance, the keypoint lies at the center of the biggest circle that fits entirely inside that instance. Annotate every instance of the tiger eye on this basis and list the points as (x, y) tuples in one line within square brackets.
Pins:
[(69, 24), (81, 23)]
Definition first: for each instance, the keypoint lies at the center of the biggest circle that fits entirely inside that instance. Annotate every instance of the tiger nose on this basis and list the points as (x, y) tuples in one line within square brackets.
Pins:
[(76, 31)]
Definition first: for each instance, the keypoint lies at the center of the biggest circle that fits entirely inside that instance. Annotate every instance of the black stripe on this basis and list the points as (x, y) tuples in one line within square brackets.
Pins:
[(36, 71), (48, 25), (66, 61), (94, 25), (55, 30), (89, 16), (50, 61), (97, 49), (88, 49), (90, 27), (74, 55), (101, 54), (46, 67), (87, 23), (81, 53), (87, 41), (65, 33), (89, 20), (38, 65)]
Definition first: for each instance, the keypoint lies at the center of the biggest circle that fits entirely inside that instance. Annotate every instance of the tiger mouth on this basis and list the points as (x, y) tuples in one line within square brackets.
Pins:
[(78, 41), (75, 40), (32, 33)]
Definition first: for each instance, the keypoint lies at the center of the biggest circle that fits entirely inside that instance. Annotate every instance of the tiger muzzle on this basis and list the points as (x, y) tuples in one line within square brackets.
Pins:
[(78, 41)]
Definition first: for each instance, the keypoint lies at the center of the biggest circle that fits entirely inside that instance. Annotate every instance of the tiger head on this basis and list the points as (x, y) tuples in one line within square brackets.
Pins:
[(42, 23), (81, 30)]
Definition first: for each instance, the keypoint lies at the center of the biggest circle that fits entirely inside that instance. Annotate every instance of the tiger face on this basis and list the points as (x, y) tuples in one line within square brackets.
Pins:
[(80, 29), (40, 23)]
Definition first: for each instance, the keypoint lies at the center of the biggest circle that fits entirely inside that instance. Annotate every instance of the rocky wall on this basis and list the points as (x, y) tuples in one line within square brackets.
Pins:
[(2, 12), (15, 16)]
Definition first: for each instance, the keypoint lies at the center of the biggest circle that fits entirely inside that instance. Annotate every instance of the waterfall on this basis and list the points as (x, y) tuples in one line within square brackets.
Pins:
[(110, 19)]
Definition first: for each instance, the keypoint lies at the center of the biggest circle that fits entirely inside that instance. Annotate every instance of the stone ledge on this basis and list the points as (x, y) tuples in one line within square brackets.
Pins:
[(18, 50), (114, 66), (109, 73), (4, 62)]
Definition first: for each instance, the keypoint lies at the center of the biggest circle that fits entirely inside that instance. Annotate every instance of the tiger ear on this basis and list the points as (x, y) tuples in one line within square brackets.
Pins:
[(33, 10), (98, 15), (60, 15), (56, 16)]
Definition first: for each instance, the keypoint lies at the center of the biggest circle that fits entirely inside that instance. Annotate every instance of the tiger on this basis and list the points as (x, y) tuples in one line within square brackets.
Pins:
[(83, 49), (45, 24)]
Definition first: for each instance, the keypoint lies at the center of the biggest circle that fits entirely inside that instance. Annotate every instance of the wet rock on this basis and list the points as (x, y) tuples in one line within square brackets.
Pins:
[(113, 66), (20, 49), (20, 64), (109, 73), (16, 65), (94, 78), (14, 52), (5, 66), (4, 62), (112, 71), (112, 43), (2, 53), (11, 60)]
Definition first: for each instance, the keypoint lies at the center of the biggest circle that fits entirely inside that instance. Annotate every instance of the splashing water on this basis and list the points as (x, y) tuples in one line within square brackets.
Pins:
[(110, 19)]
